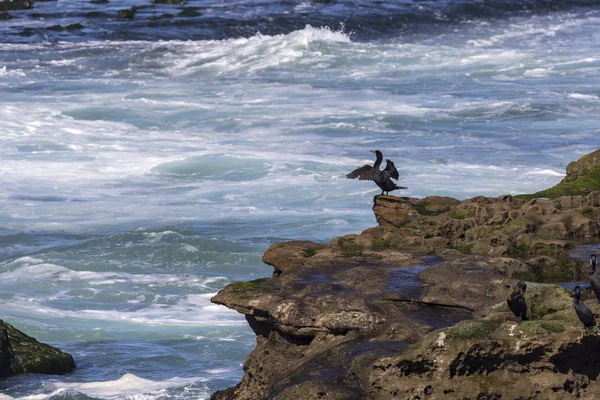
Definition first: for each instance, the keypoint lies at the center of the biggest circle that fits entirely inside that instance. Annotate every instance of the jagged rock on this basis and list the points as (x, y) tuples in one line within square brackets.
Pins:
[(22, 354), (336, 321), (542, 358), (9, 5), (391, 210)]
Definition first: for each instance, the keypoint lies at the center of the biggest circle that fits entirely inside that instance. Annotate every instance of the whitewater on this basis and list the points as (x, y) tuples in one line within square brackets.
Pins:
[(140, 175)]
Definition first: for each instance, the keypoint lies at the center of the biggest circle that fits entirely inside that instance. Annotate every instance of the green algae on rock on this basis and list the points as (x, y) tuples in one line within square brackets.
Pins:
[(22, 354), (583, 177)]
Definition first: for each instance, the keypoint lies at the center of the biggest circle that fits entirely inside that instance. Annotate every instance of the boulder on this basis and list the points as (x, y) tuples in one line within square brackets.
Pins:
[(22, 354)]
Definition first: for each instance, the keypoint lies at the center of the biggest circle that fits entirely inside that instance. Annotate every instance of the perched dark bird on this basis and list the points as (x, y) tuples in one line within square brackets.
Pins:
[(516, 302), (594, 278), (382, 178), (583, 312)]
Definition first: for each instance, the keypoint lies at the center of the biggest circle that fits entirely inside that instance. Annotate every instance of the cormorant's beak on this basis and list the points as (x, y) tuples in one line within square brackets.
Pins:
[(372, 151)]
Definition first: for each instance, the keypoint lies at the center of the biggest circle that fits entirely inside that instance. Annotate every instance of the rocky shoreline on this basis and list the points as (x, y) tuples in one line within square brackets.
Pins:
[(415, 308)]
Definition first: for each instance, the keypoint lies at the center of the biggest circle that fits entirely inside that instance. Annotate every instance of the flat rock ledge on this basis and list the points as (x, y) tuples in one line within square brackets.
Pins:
[(415, 308), (22, 354)]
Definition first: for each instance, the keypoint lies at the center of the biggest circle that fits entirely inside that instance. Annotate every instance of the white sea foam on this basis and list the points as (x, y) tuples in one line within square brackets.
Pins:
[(581, 96), (11, 73), (129, 386)]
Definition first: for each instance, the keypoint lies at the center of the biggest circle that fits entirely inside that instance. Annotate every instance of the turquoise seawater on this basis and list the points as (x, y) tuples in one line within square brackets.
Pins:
[(139, 176)]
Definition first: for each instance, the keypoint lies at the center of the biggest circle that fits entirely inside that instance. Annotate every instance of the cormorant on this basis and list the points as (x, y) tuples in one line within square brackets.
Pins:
[(594, 278), (583, 312), (516, 302), (383, 178)]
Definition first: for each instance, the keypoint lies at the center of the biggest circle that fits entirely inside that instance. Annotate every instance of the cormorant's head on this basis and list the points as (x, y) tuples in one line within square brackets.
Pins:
[(593, 257), (522, 285), (577, 292)]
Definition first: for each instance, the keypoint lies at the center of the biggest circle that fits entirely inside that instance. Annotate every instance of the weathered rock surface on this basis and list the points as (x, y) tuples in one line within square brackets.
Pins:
[(377, 315), (548, 357), (22, 354)]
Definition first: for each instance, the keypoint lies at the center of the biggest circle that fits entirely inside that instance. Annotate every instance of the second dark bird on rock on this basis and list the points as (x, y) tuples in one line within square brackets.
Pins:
[(516, 302), (382, 178), (594, 278), (584, 313)]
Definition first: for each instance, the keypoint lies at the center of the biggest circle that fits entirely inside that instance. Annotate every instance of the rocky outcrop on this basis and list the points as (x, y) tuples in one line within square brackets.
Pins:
[(415, 308), (548, 357), (498, 227), (583, 177), (22, 354)]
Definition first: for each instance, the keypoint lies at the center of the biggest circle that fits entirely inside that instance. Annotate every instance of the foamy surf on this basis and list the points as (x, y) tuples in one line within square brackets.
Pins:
[(145, 167), (129, 386)]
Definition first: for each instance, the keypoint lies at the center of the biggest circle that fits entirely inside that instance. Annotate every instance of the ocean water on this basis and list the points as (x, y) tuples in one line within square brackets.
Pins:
[(145, 164)]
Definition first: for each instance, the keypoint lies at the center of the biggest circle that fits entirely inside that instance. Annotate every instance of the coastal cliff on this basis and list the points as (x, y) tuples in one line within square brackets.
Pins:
[(415, 308)]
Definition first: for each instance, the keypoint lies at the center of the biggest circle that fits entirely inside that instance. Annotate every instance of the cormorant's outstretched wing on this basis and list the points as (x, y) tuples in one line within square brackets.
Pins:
[(364, 173), (390, 168)]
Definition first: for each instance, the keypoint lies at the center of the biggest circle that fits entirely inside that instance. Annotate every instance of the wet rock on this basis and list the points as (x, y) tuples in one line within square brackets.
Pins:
[(9, 5), (375, 316), (127, 13), (22, 354)]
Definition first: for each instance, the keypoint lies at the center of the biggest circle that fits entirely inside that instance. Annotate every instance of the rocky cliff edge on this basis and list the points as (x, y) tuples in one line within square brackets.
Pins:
[(415, 308)]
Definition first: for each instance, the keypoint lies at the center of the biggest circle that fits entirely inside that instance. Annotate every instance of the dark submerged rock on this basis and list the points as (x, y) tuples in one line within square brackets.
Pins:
[(10, 5), (22, 354)]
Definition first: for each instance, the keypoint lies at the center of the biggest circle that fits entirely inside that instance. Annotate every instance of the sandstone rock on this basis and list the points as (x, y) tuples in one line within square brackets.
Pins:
[(336, 321)]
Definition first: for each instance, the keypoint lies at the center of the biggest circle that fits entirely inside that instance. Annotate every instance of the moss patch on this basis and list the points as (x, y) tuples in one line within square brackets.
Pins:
[(349, 249), (541, 328), (589, 212), (381, 244), (33, 357), (459, 214), (311, 251), (549, 302), (517, 222), (247, 286), (583, 185), (472, 329), (466, 248)]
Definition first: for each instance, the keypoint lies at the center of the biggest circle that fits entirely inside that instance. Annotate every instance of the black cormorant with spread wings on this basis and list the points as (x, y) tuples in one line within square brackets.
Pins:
[(583, 312), (383, 178), (516, 302)]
